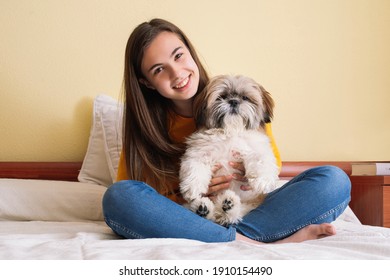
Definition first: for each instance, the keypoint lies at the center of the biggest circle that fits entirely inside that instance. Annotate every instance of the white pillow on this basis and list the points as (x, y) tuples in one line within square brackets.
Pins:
[(100, 163), (42, 200)]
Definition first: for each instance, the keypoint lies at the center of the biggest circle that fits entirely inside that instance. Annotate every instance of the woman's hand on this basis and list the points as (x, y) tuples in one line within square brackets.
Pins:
[(240, 167), (220, 183)]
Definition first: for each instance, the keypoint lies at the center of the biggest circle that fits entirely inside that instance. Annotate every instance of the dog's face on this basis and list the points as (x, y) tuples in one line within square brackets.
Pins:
[(233, 102)]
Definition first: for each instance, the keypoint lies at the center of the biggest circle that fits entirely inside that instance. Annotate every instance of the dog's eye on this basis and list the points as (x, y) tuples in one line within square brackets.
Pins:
[(222, 97), (246, 98)]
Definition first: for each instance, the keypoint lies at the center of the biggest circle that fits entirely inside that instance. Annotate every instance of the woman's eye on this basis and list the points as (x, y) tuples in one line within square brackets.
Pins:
[(157, 70), (177, 56)]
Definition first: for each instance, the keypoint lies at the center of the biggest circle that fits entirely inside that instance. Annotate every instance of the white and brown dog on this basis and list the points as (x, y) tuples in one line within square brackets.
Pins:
[(230, 113)]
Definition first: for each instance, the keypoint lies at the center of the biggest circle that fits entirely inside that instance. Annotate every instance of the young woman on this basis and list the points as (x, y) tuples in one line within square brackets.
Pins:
[(162, 75)]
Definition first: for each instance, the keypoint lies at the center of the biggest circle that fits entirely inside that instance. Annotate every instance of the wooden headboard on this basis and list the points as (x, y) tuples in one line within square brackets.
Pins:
[(68, 171), (64, 171)]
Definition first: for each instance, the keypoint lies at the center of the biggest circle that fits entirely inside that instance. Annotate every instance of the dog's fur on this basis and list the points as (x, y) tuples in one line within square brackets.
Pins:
[(230, 113)]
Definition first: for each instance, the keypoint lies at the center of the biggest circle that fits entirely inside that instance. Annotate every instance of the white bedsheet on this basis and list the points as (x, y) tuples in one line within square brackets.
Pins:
[(70, 235)]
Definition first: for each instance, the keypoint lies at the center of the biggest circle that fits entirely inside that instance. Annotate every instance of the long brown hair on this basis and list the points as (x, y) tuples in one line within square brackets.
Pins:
[(149, 153)]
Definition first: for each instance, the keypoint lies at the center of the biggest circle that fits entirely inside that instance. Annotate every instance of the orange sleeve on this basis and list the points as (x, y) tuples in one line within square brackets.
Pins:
[(268, 131), (122, 173)]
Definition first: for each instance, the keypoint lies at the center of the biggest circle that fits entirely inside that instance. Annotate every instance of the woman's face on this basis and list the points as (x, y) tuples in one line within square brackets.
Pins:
[(169, 68)]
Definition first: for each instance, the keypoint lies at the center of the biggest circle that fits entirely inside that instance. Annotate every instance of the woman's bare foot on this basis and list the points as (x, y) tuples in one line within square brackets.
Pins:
[(246, 239), (309, 232)]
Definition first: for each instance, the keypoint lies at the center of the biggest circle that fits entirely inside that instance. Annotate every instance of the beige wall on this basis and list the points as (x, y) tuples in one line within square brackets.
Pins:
[(327, 64)]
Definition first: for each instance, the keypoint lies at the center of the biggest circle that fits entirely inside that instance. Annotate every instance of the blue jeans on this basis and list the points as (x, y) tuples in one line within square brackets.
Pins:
[(319, 195)]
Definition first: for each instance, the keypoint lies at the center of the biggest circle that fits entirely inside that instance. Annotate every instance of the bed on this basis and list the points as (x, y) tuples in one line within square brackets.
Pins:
[(52, 211)]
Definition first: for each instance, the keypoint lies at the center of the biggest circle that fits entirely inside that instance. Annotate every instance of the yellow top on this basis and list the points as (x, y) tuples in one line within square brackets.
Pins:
[(179, 129)]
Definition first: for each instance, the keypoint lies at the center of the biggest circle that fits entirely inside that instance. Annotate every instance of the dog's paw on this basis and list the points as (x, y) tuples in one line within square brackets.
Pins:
[(204, 207), (202, 210), (227, 204), (228, 208)]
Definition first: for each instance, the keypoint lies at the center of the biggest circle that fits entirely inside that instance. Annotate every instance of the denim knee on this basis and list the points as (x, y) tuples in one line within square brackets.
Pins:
[(334, 190), (112, 198), (112, 193), (335, 178), (121, 203), (123, 193)]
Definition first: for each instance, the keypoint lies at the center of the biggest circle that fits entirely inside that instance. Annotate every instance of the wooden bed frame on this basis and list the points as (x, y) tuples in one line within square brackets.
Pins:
[(68, 171), (64, 171)]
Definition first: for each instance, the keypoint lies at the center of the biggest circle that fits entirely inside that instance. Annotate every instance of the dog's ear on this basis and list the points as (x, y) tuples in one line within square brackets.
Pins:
[(199, 108), (269, 105)]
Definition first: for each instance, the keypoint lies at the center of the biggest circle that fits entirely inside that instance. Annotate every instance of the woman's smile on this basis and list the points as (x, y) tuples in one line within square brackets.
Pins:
[(183, 83)]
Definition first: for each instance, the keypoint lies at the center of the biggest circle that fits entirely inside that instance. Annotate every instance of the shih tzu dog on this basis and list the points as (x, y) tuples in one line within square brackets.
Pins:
[(230, 113)]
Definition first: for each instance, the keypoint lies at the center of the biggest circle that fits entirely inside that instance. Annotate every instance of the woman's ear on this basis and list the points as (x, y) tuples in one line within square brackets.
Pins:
[(146, 83)]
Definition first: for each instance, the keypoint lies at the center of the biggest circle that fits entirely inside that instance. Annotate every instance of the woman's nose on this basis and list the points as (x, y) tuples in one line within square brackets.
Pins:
[(175, 71)]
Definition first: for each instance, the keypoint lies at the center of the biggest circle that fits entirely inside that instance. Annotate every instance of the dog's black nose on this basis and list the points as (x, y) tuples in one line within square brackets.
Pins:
[(233, 103)]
